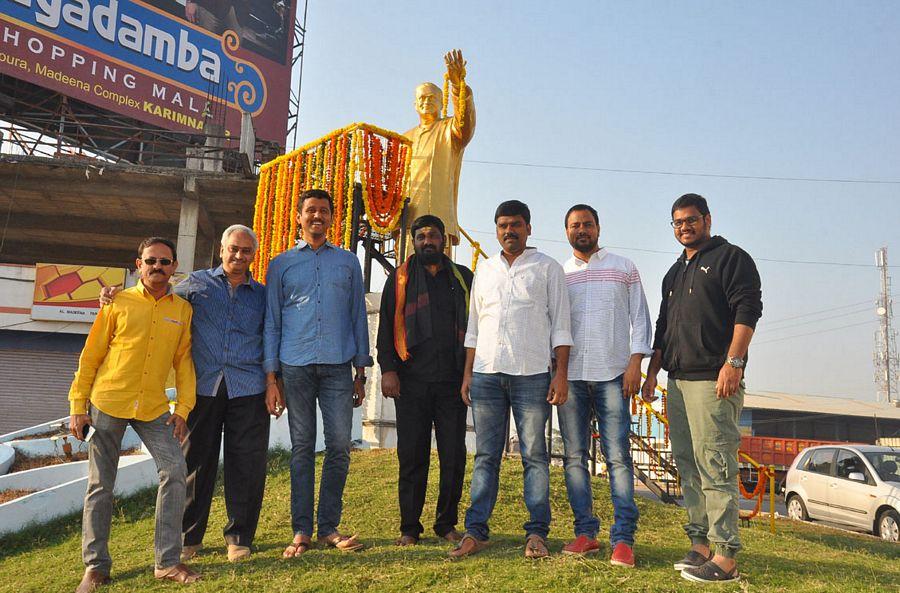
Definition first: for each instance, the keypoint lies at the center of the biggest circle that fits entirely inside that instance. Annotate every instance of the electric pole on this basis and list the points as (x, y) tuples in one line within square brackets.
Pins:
[(886, 359)]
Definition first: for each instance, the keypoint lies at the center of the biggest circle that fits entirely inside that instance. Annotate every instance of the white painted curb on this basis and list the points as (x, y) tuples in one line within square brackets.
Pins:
[(44, 477), (7, 457), (54, 445), (61, 487), (136, 472)]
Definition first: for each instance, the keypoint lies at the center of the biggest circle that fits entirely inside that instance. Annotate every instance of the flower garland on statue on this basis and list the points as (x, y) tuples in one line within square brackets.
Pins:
[(461, 98), (377, 159)]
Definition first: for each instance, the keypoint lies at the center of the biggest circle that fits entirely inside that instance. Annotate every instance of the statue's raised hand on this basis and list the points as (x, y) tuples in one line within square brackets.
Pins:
[(456, 66)]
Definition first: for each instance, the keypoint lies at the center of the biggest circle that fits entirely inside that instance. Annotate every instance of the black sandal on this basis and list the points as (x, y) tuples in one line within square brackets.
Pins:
[(693, 559), (710, 572)]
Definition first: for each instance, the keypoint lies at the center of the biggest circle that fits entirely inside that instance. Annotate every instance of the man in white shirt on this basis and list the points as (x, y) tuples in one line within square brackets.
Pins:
[(519, 313), (611, 330)]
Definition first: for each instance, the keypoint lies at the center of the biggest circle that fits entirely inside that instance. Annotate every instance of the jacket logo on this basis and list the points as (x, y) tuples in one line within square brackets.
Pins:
[(704, 270)]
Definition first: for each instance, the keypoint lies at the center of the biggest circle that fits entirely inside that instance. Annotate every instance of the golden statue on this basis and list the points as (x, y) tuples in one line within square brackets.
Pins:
[(438, 145)]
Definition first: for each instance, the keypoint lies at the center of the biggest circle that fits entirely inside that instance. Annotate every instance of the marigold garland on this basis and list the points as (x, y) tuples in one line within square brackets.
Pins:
[(377, 159), (459, 105)]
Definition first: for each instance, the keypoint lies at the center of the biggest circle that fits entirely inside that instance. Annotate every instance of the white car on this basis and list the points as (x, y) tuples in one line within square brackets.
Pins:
[(855, 485)]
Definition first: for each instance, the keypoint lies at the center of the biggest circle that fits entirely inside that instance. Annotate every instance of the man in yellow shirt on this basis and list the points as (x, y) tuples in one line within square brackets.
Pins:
[(121, 378)]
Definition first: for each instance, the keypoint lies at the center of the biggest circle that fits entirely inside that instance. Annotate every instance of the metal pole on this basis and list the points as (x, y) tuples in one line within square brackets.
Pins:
[(886, 321), (772, 499), (400, 244), (369, 245), (355, 215)]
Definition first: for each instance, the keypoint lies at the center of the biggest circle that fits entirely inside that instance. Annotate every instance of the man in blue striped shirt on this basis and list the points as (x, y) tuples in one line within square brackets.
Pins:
[(227, 328), (315, 330)]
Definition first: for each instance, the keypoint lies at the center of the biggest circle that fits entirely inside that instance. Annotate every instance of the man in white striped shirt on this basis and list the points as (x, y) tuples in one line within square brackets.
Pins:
[(611, 330)]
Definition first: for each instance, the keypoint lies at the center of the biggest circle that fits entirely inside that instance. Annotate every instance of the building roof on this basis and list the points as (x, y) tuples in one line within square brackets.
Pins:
[(819, 404)]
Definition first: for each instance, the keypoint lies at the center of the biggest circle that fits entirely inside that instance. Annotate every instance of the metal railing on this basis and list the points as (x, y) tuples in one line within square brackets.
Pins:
[(69, 138)]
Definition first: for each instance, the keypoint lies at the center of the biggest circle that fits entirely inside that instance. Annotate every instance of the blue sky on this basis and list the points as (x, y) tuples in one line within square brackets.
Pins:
[(771, 89)]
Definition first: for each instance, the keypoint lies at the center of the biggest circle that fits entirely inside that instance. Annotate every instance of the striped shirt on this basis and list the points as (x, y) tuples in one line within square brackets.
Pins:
[(228, 332), (610, 318)]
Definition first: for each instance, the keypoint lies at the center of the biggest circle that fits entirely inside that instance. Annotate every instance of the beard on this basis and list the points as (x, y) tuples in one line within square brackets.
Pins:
[(429, 258), (585, 245)]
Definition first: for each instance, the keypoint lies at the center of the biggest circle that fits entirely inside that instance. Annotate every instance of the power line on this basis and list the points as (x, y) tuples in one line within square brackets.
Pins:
[(821, 331), (767, 329), (818, 312), (686, 173), (677, 253)]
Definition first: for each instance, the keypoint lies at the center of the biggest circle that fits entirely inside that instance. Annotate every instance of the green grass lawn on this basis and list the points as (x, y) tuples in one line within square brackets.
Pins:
[(799, 558)]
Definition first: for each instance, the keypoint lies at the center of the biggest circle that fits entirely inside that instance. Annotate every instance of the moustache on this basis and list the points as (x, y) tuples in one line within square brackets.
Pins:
[(510, 236)]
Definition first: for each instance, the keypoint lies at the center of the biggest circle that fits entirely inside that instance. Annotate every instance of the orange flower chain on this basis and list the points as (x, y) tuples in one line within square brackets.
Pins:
[(376, 158)]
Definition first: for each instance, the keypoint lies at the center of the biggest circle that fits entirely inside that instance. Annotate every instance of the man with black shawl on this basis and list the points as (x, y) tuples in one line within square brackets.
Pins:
[(424, 312)]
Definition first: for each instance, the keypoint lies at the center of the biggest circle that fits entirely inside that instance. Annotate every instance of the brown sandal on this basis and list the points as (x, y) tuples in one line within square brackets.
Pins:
[(467, 546), (344, 543), (295, 549), (536, 547), (179, 573)]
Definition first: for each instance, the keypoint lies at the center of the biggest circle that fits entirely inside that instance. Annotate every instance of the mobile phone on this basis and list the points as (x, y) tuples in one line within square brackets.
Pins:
[(87, 433)]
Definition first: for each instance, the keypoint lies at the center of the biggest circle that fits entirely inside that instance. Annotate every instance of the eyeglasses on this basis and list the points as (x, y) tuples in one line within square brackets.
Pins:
[(152, 261), (690, 221)]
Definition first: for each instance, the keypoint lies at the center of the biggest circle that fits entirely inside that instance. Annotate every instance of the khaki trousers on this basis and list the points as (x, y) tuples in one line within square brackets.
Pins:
[(705, 440)]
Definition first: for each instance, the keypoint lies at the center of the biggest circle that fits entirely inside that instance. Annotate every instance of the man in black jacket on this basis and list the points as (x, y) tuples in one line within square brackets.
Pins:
[(422, 325), (711, 301)]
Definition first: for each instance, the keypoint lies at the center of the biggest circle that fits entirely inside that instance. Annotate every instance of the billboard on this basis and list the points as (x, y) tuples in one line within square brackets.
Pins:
[(159, 61), (70, 293)]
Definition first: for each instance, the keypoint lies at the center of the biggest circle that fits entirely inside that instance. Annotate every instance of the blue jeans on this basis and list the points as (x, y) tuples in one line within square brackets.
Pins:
[(614, 418), (492, 397), (332, 386)]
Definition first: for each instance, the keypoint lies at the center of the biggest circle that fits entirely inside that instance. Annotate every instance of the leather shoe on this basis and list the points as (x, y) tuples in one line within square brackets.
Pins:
[(407, 540), (91, 580)]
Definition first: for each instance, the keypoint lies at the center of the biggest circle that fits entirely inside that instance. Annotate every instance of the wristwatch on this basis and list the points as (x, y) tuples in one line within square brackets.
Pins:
[(735, 362)]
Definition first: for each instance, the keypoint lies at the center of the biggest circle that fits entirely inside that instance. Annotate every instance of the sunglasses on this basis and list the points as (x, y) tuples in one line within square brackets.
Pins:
[(152, 261)]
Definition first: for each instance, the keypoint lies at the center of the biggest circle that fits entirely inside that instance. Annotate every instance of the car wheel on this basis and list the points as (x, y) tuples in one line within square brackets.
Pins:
[(796, 510), (889, 526)]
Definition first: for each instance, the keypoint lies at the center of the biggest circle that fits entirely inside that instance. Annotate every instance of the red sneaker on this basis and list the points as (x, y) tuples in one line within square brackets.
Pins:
[(582, 545), (622, 556)]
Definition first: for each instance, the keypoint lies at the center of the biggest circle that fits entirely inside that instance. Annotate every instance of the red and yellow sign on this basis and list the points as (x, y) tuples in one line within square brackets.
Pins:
[(70, 293)]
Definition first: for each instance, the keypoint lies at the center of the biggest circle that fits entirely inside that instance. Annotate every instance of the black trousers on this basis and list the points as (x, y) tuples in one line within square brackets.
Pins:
[(245, 422), (420, 406)]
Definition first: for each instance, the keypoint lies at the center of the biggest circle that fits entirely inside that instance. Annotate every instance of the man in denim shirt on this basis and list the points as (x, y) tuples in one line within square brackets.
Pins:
[(315, 329), (227, 325)]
